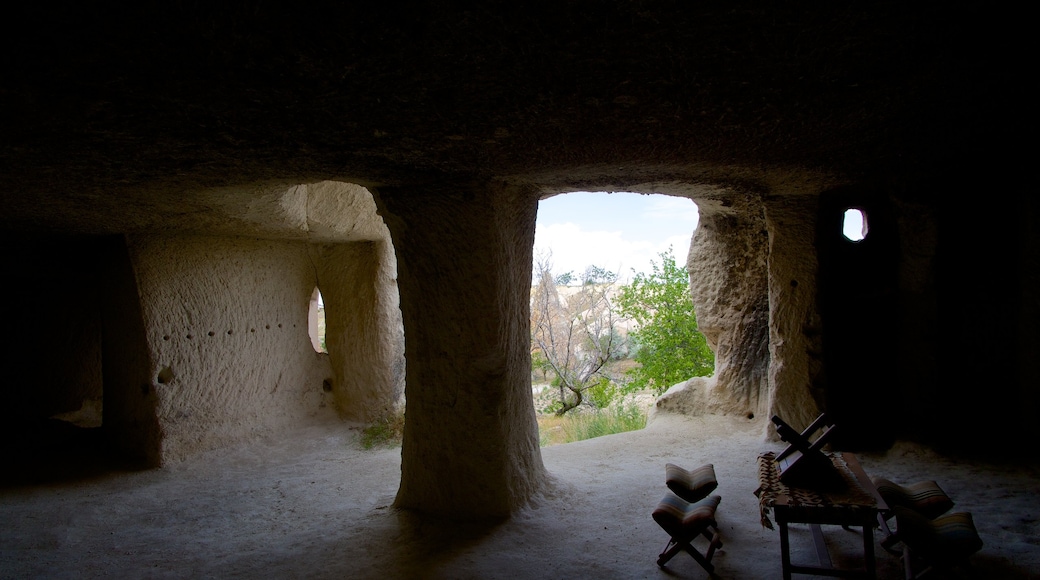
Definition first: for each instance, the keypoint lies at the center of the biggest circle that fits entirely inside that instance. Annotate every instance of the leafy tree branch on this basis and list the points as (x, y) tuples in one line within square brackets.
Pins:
[(670, 347)]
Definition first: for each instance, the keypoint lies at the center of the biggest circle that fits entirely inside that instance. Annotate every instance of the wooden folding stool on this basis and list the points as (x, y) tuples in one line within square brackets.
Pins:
[(684, 522)]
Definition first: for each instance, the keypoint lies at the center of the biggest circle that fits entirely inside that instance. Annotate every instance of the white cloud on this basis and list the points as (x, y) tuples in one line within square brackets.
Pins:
[(620, 232)]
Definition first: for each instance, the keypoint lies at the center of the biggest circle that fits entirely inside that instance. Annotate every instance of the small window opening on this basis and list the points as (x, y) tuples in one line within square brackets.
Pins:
[(316, 321), (854, 226)]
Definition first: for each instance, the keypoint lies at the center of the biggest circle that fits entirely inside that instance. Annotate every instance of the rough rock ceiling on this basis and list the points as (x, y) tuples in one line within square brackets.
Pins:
[(108, 107)]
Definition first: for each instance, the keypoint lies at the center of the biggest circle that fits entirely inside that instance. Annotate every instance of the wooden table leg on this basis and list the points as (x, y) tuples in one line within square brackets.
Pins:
[(785, 551), (868, 551)]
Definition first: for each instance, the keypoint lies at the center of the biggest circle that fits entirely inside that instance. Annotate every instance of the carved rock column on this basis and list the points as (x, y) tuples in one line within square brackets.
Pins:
[(795, 340), (363, 327), (464, 253)]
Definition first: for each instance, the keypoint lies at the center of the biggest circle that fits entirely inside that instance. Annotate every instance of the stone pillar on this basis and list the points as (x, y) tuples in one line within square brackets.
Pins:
[(362, 327), (464, 253), (795, 341)]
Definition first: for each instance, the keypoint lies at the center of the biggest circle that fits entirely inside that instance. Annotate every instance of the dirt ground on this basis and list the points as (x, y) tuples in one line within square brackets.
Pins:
[(313, 504)]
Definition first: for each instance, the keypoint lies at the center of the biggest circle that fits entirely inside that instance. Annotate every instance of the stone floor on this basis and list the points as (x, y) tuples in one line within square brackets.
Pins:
[(313, 504)]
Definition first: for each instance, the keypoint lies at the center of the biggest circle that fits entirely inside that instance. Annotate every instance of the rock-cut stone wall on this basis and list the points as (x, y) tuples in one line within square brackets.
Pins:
[(225, 322), (752, 265), (728, 285)]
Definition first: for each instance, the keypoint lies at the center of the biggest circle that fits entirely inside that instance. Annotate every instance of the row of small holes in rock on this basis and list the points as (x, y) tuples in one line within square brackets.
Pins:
[(211, 333)]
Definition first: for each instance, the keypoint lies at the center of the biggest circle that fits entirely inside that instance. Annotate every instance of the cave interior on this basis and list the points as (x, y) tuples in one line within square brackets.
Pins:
[(180, 177)]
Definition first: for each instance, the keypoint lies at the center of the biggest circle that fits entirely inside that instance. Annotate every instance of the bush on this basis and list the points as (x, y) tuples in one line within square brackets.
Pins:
[(602, 393), (386, 432), (553, 430)]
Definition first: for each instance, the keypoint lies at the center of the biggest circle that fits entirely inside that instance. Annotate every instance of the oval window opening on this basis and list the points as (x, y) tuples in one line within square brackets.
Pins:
[(854, 226), (316, 322)]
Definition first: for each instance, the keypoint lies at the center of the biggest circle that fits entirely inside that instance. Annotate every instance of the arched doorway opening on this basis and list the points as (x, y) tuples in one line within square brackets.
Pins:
[(612, 321)]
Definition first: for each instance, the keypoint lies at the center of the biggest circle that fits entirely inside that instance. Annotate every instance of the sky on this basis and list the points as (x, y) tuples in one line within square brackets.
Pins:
[(615, 231), (853, 226)]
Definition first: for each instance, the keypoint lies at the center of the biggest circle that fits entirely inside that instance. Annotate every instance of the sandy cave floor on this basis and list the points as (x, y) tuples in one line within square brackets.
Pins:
[(313, 504)]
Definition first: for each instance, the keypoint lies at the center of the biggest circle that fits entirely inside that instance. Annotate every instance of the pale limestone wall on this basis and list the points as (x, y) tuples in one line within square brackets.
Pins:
[(795, 333), (226, 330), (728, 284), (356, 270), (227, 320), (320, 212), (752, 267)]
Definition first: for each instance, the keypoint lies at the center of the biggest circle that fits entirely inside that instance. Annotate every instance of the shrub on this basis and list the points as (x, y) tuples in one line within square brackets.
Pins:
[(387, 431), (553, 430), (602, 393)]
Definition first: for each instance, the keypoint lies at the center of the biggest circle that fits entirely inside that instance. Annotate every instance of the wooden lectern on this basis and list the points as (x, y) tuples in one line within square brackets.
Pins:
[(803, 463)]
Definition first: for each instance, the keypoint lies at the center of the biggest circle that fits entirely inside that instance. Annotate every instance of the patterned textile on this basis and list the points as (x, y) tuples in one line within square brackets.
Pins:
[(945, 539), (691, 485), (924, 497), (684, 520), (811, 505)]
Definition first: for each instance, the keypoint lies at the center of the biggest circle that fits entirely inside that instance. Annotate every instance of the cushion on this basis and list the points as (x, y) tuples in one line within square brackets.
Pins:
[(951, 537), (690, 485), (924, 497), (683, 519)]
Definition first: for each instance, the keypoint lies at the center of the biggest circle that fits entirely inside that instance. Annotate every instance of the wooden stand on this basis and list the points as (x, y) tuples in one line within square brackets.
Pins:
[(802, 463)]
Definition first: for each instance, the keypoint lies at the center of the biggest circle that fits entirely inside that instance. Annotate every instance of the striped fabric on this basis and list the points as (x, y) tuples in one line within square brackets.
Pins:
[(944, 540), (690, 485), (924, 497), (683, 519)]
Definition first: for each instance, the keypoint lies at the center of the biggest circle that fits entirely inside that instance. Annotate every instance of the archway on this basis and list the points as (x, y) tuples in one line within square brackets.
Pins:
[(611, 315)]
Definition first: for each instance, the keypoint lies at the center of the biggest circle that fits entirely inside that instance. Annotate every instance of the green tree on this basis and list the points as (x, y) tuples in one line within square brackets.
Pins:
[(596, 275), (540, 364), (671, 349), (565, 279)]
